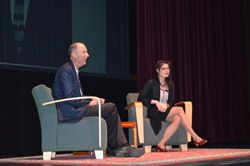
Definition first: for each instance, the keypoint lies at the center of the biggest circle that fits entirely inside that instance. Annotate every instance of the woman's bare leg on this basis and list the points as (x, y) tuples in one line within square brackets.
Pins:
[(175, 122), (184, 121)]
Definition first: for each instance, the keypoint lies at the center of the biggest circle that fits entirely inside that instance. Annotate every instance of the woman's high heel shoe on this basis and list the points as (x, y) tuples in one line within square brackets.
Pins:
[(158, 149), (202, 142)]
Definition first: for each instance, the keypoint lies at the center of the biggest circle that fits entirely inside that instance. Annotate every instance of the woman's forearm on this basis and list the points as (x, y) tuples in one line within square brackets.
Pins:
[(154, 101)]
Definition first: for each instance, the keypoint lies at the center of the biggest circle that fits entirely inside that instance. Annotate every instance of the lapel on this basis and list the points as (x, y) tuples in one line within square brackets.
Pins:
[(157, 88), (76, 77), (73, 68)]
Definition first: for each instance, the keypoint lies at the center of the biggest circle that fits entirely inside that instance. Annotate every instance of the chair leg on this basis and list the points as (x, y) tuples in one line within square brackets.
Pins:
[(53, 155), (99, 154), (169, 147), (134, 128), (147, 148), (47, 155), (183, 147)]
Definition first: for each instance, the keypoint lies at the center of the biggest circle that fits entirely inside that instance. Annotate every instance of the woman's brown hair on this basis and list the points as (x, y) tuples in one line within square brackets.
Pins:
[(159, 65)]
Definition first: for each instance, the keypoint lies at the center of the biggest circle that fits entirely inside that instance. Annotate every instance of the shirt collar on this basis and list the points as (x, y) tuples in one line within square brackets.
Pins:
[(77, 71)]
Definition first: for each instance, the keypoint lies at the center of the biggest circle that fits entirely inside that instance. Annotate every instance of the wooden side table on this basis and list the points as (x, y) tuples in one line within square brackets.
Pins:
[(134, 128)]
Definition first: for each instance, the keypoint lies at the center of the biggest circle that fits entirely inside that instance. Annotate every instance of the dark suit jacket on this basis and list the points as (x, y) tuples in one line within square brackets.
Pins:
[(66, 86), (151, 91)]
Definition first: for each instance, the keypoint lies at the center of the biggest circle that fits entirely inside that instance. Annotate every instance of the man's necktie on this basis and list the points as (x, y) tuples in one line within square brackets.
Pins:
[(79, 83)]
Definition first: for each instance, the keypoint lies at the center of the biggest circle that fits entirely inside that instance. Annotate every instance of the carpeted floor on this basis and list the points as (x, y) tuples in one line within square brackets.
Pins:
[(154, 158)]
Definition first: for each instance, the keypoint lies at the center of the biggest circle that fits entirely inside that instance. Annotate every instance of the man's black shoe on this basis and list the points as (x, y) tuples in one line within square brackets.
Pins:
[(128, 151), (110, 152)]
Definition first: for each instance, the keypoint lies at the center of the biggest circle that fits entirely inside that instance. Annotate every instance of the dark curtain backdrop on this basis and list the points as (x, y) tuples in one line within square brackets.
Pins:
[(42, 43), (205, 42)]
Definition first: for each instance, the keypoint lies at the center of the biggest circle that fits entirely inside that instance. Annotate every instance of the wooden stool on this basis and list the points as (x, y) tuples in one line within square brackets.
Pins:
[(124, 125)]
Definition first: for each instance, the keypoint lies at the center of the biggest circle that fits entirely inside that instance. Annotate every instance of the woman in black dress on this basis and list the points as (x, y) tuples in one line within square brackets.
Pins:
[(158, 96)]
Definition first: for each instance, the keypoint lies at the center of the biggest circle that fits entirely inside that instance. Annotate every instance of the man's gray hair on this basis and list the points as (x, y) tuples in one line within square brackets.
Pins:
[(73, 48)]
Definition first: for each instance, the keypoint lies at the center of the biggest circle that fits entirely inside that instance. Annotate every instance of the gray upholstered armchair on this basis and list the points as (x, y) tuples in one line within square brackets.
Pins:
[(146, 137), (88, 134)]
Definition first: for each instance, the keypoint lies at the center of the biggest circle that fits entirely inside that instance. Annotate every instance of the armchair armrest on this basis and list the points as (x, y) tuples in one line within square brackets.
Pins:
[(139, 118), (189, 111), (78, 98)]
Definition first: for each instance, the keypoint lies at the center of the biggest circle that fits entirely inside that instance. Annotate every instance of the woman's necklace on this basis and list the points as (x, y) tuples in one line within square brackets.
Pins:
[(163, 84)]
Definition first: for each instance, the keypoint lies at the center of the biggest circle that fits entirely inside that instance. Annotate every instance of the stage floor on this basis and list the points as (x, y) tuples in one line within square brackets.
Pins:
[(233, 161), (230, 161)]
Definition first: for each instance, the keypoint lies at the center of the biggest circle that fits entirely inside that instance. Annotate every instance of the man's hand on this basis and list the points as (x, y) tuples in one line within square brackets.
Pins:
[(102, 100), (95, 101)]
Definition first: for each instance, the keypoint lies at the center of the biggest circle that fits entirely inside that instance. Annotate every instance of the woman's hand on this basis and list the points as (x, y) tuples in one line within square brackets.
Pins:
[(161, 107), (164, 108)]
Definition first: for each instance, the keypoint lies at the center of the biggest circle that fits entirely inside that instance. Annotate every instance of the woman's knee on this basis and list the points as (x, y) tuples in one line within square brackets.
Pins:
[(176, 120), (180, 110), (177, 111)]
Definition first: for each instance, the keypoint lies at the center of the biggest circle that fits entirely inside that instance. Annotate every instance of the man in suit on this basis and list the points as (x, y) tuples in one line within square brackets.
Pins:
[(67, 85)]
